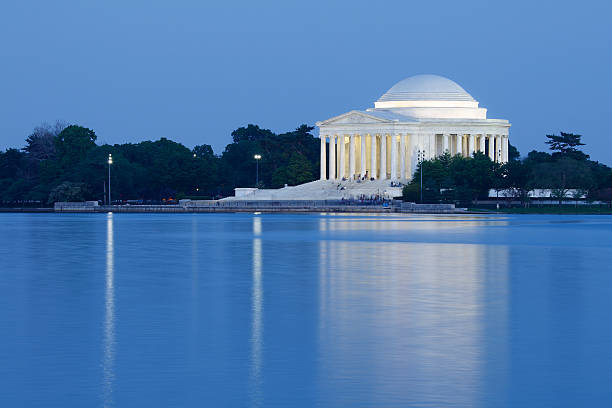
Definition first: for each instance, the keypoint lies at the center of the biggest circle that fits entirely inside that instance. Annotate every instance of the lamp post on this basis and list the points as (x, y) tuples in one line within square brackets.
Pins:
[(110, 161), (421, 157), (257, 158)]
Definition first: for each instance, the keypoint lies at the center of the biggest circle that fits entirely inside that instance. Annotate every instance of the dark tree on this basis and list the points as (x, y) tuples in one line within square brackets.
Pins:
[(517, 176), (73, 144), (561, 176), (513, 153), (566, 145), (68, 191), (251, 132), (203, 151), (40, 145), (11, 164)]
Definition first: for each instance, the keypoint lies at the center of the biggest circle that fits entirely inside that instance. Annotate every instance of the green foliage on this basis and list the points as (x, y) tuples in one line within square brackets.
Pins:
[(463, 179), (516, 176), (73, 143), (538, 157), (562, 175), (456, 178), (289, 158), (68, 191), (411, 193), (251, 133), (64, 163), (40, 144), (12, 163), (566, 145), (603, 194), (297, 171), (513, 153), (204, 152)]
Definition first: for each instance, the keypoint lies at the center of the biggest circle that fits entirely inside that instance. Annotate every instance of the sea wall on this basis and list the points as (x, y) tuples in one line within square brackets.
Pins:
[(208, 206)]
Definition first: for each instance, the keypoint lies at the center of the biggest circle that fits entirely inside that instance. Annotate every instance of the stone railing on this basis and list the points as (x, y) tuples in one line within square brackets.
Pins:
[(427, 208), (262, 205), (79, 206)]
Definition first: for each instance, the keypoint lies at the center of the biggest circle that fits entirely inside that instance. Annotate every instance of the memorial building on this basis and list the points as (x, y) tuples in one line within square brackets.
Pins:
[(419, 118)]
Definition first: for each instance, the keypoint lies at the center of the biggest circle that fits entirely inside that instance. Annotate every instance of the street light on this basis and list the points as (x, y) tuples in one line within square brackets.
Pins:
[(421, 157), (110, 161), (257, 158)]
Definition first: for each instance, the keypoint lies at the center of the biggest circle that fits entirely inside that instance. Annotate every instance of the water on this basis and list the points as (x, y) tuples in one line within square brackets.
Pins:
[(304, 310)]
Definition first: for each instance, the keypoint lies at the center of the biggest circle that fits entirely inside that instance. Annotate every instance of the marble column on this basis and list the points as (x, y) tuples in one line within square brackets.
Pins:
[(492, 147), (363, 155), (498, 148), (351, 157), (342, 173), (445, 144), (482, 143), (332, 157), (433, 149), (471, 146), (402, 156), (459, 144), (393, 157), (373, 154), (323, 164), (383, 156)]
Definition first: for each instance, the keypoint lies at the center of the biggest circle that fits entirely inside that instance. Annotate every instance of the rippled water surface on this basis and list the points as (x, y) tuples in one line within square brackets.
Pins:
[(159, 310)]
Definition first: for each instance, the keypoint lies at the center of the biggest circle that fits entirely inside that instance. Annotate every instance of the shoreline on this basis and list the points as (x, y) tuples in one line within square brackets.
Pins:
[(290, 210)]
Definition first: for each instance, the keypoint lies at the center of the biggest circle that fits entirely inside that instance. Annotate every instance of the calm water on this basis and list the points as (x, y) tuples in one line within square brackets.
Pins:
[(305, 310)]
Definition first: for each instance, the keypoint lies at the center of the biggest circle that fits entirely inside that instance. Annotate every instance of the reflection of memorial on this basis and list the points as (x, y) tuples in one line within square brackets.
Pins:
[(419, 311), (108, 361)]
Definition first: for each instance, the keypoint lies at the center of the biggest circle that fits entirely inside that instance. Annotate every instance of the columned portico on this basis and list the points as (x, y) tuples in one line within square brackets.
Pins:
[(424, 113)]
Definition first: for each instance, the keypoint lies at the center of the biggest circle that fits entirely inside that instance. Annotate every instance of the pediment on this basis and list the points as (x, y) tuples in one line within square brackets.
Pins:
[(353, 117)]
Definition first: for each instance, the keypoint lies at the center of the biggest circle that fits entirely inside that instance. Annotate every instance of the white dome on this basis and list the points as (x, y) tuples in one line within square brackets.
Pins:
[(426, 88)]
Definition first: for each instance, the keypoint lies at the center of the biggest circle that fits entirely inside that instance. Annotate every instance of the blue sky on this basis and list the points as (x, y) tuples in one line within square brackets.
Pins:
[(193, 71)]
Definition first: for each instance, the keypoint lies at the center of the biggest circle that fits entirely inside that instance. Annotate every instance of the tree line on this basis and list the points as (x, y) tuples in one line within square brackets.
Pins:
[(63, 162), (566, 168)]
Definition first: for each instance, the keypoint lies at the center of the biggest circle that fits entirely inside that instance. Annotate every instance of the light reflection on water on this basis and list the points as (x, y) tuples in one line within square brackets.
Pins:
[(422, 307), (304, 310), (108, 362), (257, 310)]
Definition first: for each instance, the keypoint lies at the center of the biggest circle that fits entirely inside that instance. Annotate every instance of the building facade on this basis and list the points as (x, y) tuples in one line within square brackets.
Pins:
[(419, 118)]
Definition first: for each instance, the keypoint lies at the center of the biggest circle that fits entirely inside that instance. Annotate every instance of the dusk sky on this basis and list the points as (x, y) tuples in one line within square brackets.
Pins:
[(193, 71)]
